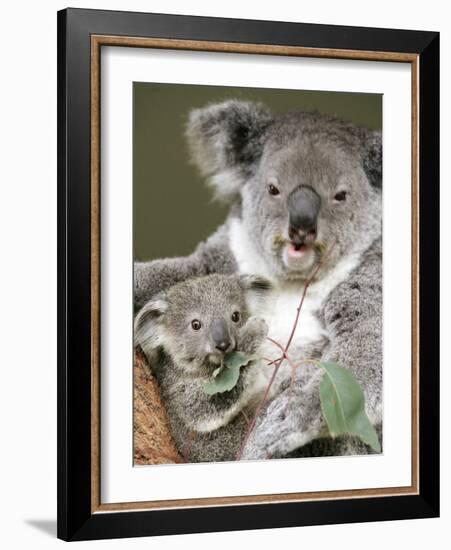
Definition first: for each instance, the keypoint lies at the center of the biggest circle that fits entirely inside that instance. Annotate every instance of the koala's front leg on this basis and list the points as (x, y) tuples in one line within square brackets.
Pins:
[(212, 256), (150, 278), (353, 318), (292, 419), (252, 335), (201, 412)]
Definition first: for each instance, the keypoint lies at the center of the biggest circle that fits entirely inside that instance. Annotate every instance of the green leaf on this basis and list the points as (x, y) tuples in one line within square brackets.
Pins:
[(343, 405), (236, 359), (217, 371), (226, 377)]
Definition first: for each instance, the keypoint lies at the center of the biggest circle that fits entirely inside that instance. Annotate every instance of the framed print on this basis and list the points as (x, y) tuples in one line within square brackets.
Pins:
[(248, 274)]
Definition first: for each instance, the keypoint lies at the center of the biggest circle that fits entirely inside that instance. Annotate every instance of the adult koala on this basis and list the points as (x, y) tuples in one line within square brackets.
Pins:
[(298, 184)]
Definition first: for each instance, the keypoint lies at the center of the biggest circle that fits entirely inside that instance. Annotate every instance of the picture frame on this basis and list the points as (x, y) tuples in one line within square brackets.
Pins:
[(81, 36)]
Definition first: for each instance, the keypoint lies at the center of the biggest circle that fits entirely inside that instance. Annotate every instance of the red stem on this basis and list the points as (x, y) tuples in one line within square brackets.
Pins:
[(284, 356), (246, 419), (293, 370), (270, 361), (276, 343)]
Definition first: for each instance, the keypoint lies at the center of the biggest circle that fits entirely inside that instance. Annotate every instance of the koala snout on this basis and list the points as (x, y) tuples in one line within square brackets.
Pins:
[(303, 208), (300, 237), (220, 336)]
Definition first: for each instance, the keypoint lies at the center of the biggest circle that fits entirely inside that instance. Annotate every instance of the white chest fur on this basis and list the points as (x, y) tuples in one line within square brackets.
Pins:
[(287, 296), (282, 314)]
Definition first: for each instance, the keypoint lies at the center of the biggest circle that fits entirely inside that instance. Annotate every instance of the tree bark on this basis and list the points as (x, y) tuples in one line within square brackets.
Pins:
[(153, 443)]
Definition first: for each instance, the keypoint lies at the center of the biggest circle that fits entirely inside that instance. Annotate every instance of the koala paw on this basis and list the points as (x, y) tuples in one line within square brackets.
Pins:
[(256, 327), (289, 422), (252, 334)]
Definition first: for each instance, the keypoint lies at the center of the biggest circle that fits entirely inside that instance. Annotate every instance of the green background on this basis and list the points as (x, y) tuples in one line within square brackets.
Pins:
[(172, 206)]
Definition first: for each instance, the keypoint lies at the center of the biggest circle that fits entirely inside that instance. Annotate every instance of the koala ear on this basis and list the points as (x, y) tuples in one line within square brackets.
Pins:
[(226, 140), (372, 158), (147, 326), (257, 290)]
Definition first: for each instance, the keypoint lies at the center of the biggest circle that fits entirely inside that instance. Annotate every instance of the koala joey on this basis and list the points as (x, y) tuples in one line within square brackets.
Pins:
[(298, 184), (185, 332)]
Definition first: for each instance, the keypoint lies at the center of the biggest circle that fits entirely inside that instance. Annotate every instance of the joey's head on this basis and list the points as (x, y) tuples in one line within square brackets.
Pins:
[(197, 321), (304, 182)]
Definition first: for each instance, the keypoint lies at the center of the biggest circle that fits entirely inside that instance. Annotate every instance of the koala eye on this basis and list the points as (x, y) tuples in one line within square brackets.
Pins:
[(340, 196), (196, 324), (273, 190), (236, 316)]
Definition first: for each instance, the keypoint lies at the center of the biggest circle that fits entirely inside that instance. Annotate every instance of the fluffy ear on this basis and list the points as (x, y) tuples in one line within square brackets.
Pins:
[(372, 158), (226, 140), (147, 327), (257, 290)]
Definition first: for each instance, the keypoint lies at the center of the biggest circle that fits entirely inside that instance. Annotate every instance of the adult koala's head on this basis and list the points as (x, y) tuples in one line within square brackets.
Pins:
[(304, 181)]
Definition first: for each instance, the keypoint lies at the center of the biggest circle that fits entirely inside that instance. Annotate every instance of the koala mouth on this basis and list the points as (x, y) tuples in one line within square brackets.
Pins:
[(215, 359), (299, 257), (296, 250)]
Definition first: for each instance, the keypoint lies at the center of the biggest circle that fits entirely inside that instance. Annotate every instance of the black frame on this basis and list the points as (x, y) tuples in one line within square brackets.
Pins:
[(75, 520)]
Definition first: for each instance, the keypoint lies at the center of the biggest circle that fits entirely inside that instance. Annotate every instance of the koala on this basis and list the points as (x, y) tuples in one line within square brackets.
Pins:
[(305, 195), (185, 332)]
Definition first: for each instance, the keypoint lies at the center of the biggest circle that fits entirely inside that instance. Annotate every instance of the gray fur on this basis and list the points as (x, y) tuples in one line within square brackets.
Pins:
[(353, 319), (211, 256), (342, 445), (226, 140), (243, 150), (372, 157), (305, 149), (204, 427)]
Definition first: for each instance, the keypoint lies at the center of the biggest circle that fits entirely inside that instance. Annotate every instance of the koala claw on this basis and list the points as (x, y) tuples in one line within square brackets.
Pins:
[(256, 326), (252, 334)]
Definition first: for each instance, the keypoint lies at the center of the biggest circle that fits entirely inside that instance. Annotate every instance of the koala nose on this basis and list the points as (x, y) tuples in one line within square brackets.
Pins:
[(303, 208), (220, 335), (223, 346), (300, 237)]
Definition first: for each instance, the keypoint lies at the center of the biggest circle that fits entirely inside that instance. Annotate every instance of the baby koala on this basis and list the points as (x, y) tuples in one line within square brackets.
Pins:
[(185, 333)]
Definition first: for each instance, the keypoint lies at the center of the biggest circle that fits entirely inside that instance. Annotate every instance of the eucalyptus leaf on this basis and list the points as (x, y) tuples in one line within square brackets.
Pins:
[(226, 377), (343, 405), (217, 371), (236, 359)]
